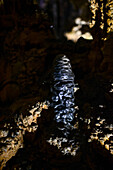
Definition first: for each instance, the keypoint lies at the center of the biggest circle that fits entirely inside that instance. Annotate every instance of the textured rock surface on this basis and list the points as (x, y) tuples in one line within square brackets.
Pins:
[(28, 50), (24, 57)]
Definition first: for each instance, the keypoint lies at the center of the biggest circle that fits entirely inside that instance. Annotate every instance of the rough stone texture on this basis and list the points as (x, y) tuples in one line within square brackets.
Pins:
[(28, 49), (24, 57)]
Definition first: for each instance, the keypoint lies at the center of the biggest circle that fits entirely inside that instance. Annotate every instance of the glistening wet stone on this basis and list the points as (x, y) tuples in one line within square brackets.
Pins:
[(63, 91), (63, 102)]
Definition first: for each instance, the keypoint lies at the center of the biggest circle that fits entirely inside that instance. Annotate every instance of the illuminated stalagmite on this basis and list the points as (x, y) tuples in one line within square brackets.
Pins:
[(63, 92)]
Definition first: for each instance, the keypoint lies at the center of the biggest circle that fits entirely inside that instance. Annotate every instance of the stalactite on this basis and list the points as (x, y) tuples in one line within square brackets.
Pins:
[(102, 16)]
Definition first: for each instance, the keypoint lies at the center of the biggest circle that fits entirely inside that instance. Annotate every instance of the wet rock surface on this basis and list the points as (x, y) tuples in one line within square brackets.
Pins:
[(28, 55)]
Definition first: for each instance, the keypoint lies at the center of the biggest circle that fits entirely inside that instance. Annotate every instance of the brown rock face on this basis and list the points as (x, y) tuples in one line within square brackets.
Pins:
[(23, 57)]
